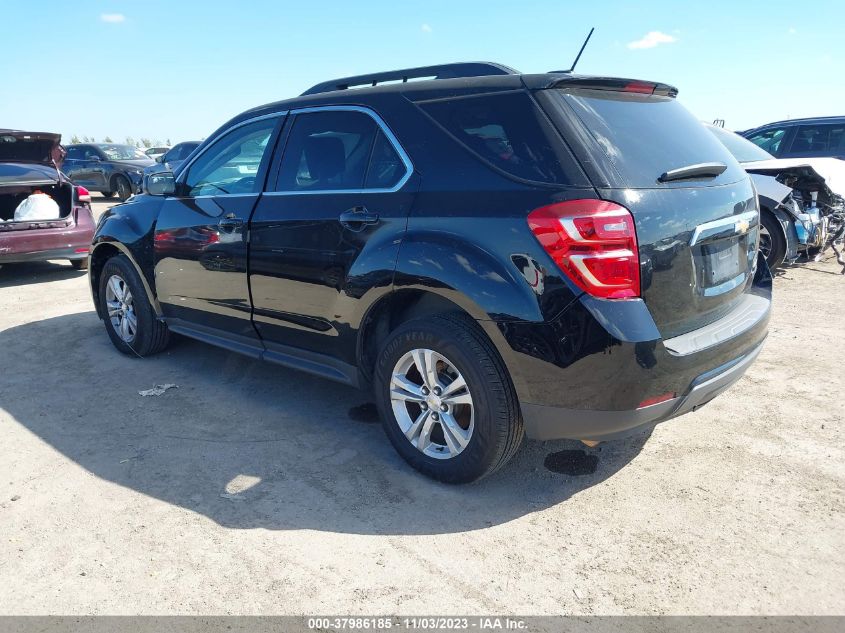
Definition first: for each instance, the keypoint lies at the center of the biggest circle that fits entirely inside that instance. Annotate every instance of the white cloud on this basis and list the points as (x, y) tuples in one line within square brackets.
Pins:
[(652, 39), (792, 30), (113, 18), (425, 28)]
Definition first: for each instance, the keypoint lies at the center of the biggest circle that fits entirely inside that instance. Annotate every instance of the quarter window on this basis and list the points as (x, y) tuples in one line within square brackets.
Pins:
[(231, 164), (338, 150)]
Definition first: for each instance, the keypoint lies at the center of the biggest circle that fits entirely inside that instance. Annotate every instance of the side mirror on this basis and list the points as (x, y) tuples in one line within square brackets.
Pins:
[(95, 159), (160, 184)]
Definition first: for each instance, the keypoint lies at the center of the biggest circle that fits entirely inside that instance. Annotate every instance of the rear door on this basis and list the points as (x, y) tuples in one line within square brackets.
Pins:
[(330, 231), (697, 234), (201, 234)]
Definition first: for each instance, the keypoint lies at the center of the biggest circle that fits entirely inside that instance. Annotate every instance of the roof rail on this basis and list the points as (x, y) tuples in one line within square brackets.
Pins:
[(443, 71)]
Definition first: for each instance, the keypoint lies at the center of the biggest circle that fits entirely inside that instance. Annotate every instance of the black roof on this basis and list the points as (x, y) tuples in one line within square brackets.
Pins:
[(448, 77), (802, 121)]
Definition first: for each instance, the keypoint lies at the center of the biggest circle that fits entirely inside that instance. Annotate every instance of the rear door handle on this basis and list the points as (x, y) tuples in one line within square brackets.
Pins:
[(230, 222), (356, 218)]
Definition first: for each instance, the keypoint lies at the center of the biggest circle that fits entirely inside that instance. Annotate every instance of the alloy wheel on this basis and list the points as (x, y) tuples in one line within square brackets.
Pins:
[(432, 404), (121, 309)]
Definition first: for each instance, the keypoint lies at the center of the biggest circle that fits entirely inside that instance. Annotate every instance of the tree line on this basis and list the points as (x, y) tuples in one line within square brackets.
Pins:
[(142, 142)]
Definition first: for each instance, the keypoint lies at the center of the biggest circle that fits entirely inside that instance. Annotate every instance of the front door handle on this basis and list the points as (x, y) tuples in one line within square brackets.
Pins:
[(230, 222), (356, 218)]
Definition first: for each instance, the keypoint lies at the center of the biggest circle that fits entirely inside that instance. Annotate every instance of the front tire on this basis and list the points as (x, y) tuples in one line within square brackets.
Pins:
[(446, 400), (130, 320), (772, 242), (122, 187)]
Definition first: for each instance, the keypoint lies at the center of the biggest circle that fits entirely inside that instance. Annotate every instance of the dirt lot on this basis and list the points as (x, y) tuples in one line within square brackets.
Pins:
[(254, 489)]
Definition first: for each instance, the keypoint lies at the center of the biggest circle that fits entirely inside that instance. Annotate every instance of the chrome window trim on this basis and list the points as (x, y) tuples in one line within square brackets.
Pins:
[(391, 138), (187, 168)]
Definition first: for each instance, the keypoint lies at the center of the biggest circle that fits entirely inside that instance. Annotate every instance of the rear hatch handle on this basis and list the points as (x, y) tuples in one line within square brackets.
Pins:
[(693, 172)]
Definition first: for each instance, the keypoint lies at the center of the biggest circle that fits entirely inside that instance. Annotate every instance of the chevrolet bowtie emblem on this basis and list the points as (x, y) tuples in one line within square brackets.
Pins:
[(742, 226)]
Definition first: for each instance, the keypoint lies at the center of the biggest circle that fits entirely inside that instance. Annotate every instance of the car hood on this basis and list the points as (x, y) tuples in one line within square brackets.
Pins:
[(828, 172), (140, 163), (17, 146)]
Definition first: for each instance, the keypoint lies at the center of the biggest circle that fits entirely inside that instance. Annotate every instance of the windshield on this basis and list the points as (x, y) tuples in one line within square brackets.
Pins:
[(743, 150), (122, 152)]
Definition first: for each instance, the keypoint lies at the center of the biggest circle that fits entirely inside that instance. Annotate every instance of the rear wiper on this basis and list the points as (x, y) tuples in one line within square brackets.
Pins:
[(691, 172)]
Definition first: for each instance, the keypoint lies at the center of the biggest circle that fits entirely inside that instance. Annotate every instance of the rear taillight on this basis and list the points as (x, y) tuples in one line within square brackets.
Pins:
[(594, 243), (82, 194)]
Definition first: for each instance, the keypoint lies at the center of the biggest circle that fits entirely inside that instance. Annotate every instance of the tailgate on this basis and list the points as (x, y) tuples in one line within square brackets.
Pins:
[(694, 207), (698, 248)]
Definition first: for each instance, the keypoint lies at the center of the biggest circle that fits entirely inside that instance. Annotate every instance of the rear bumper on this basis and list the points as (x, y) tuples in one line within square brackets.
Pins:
[(73, 252), (38, 244), (550, 423), (588, 373)]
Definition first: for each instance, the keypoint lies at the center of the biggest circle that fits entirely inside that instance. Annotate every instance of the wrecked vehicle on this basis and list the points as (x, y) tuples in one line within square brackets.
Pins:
[(29, 172), (801, 199)]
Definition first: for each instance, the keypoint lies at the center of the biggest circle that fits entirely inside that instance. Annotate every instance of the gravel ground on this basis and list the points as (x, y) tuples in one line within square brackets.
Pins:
[(253, 489)]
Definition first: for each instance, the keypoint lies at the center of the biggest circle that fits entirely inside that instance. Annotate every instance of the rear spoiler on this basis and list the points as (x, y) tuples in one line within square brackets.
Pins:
[(611, 84)]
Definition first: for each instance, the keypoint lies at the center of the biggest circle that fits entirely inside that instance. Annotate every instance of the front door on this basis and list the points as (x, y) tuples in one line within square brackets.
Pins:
[(201, 236), (333, 224)]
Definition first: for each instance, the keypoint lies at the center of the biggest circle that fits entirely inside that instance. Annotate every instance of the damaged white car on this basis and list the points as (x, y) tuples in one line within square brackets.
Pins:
[(802, 200)]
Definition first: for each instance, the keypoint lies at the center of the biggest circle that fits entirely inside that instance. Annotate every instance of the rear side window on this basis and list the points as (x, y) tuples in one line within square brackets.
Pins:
[(507, 131), (644, 136), (74, 153), (818, 140), (331, 150)]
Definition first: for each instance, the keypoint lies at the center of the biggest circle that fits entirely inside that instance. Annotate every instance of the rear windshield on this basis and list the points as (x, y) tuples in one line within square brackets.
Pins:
[(507, 131), (645, 136), (742, 149)]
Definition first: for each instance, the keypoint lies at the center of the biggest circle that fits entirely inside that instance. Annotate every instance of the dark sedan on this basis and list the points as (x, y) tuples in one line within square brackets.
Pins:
[(107, 168), (42, 215)]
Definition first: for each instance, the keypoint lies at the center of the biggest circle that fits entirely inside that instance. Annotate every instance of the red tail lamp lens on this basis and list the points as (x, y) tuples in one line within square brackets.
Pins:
[(594, 243)]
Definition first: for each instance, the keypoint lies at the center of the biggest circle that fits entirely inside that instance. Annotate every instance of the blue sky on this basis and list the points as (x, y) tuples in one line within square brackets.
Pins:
[(179, 68)]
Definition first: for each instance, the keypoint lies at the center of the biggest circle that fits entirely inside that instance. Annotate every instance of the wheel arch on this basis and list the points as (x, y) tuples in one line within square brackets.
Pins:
[(402, 305), (101, 252)]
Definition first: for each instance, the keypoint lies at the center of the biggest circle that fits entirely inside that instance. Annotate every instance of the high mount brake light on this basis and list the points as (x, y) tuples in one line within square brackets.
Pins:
[(594, 243), (640, 87)]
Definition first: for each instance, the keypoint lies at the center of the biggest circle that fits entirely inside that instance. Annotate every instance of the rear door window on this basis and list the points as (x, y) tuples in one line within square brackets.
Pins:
[(644, 136), (338, 150), (507, 131), (818, 140)]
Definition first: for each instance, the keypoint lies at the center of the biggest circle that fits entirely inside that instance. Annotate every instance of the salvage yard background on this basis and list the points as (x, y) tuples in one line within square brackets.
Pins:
[(254, 489)]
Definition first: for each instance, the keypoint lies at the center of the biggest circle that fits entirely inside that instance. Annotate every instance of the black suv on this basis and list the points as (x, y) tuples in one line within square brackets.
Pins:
[(495, 254)]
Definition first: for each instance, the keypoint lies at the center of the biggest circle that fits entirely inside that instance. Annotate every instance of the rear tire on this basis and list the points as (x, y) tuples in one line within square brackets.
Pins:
[(79, 264), (122, 187), (130, 320), (772, 242), (488, 414)]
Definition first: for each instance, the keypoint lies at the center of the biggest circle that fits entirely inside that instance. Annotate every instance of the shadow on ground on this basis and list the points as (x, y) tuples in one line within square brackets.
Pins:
[(37, 273), (253, 445)]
